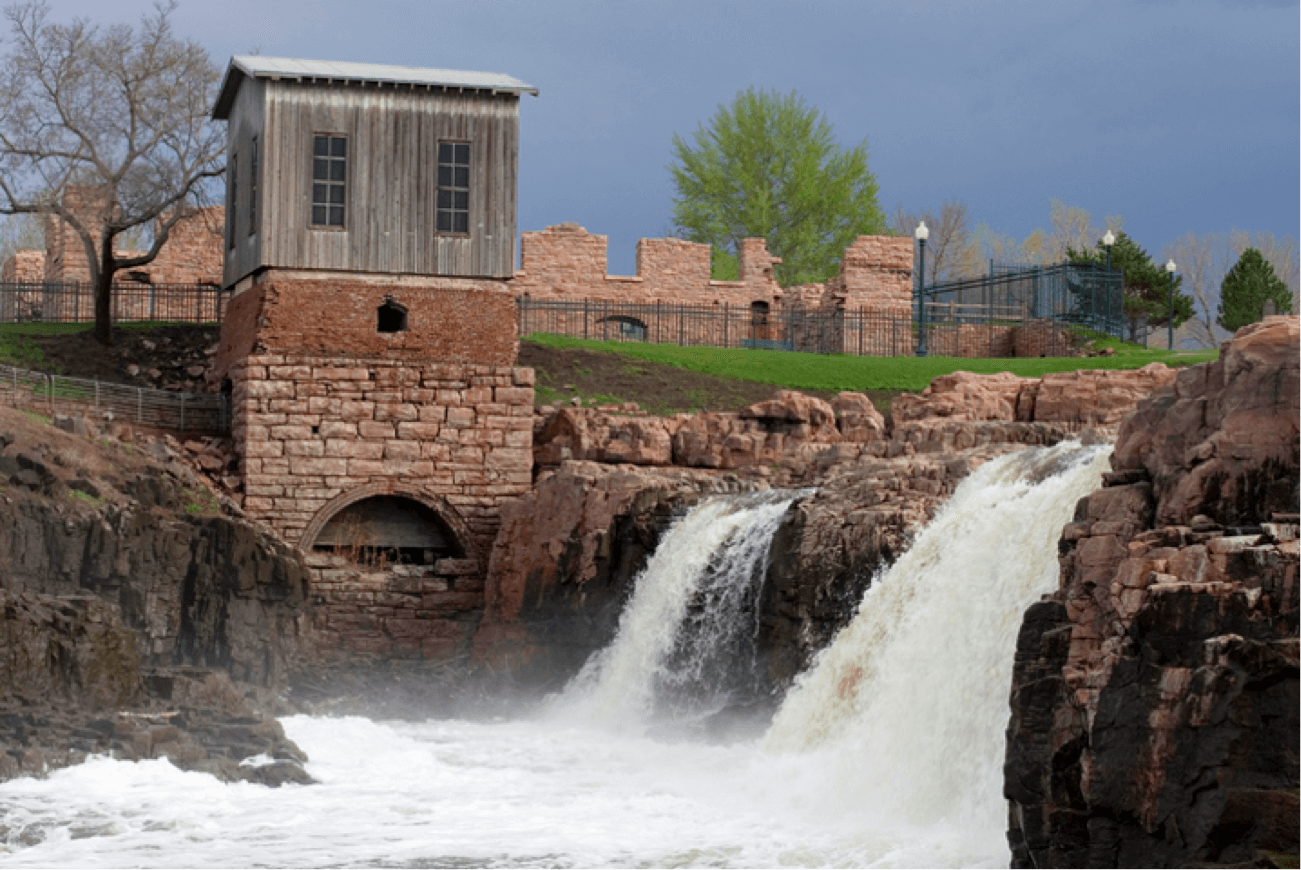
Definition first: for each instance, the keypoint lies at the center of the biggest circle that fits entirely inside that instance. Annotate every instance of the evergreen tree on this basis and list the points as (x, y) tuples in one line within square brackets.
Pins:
[(1250, 283), (769, 167), (1147, 285)]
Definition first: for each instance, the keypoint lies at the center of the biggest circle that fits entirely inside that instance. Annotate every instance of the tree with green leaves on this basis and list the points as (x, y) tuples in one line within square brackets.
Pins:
[(1249, 285), (768, 166), (1147, 285)]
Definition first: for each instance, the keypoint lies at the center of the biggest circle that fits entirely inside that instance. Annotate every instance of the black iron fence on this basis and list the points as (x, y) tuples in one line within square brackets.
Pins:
[(105, 402), (1081, 294), (75, 303)]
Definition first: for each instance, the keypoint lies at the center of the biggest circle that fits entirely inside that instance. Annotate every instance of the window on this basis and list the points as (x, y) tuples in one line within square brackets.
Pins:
[(252, 189), (233, 207), (453, 187), (329, 180), (391, 317)]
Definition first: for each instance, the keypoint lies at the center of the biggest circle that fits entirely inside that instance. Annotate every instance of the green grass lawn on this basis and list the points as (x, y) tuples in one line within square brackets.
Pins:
[(807, 371)]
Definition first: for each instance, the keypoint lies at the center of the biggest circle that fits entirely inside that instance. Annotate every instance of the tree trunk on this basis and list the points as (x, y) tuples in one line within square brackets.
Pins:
[(104, 293)]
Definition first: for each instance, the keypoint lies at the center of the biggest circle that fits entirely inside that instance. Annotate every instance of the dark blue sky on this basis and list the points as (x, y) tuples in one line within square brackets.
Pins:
[(1179, 116)]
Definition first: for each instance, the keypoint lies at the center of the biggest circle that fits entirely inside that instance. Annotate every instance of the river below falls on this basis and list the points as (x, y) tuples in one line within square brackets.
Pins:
[(522, 793)]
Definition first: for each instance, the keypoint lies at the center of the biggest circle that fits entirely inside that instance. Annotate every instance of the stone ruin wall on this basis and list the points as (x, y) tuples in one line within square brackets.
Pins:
[(191, 255), (568, 263)]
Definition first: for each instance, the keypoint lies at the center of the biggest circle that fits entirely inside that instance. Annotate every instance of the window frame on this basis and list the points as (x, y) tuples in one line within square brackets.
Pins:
[(312, 181), (252, 188), (232, 207), (453, 210)]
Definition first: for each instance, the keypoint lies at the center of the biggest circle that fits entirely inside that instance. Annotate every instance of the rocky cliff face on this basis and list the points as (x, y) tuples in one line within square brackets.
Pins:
[(567, 553), (1155, 696), (128, 604)]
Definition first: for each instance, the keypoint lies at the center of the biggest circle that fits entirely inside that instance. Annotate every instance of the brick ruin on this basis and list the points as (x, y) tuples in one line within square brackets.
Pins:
[(191, 256), (381, 423), (567, 262)]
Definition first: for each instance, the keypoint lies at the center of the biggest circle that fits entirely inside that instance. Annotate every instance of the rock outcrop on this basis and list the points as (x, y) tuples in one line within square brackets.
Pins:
[(1081, 398), (1155, 695), (126, 595)]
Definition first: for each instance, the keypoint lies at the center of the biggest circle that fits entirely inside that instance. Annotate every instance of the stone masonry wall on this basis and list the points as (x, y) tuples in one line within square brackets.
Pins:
[(191, 255), (316, 434), (310, 429), (448, 319), (24, 266), (567, 262)]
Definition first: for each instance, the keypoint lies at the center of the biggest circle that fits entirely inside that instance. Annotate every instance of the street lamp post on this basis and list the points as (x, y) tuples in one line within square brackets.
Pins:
[(922, 234), (1170, 324), (1108, 239)]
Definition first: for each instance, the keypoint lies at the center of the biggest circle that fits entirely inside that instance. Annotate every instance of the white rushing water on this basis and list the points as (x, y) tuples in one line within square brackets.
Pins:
[(888, 752)]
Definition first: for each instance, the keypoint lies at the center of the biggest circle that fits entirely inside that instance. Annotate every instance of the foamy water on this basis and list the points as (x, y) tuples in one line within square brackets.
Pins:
[(887, 754)]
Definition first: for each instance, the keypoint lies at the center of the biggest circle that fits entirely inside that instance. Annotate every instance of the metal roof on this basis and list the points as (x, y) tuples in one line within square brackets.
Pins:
[(257, 66)]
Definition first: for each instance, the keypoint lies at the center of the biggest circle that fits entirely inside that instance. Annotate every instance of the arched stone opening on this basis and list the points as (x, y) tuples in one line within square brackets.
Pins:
[(630, 328), (379, 528), (391, 317)]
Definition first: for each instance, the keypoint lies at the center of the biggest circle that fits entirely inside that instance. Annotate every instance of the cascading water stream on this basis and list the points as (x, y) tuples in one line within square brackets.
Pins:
[(685, 644), (907, 707), (888, 752)]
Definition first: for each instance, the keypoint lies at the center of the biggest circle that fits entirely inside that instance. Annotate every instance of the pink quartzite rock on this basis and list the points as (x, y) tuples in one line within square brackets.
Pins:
[(1222, 441), (1155, 694), (963, 396), (857, 418), (1087, 397)]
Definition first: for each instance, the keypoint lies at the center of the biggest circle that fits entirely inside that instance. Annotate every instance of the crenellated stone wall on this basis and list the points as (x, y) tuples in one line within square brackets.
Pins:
[(567, 262)]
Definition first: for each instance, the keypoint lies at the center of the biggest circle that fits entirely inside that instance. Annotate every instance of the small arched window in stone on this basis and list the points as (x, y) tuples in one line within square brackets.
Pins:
[(391, 317)]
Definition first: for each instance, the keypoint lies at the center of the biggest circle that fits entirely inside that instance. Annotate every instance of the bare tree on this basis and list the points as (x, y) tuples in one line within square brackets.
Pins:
[(952, 251), (122, 111), (1071, 227)]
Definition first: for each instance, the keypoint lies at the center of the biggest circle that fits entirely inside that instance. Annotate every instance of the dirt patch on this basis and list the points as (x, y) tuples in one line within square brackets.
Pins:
[(171, 357)]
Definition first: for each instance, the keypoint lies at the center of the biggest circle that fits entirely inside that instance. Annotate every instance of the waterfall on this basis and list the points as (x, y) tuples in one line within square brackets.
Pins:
[(905, 711), (685, 644)]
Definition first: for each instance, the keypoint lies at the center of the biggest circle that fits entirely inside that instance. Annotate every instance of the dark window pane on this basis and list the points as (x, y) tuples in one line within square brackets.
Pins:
[(462, 176), (444, 152), (336, 193), (444, 176), (444, 221), (320, 169), (318, 214), (461, 200), (336, 170), (462, 222), (320, 193), (444, 199), (336, 215), (463, 153), (338, 147), (321, 145)]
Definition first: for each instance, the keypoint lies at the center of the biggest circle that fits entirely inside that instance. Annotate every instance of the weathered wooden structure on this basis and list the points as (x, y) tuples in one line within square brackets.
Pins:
[(370, 341), (366, 168)]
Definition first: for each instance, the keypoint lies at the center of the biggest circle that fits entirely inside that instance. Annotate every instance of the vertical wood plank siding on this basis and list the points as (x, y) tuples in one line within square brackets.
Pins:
[(393, 134)]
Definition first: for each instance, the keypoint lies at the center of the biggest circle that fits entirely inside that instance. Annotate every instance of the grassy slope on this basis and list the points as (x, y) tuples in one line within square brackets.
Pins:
[(832, 373)]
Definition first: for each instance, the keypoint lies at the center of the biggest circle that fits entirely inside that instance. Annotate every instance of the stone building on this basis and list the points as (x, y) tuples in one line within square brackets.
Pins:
[(370, 343)]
